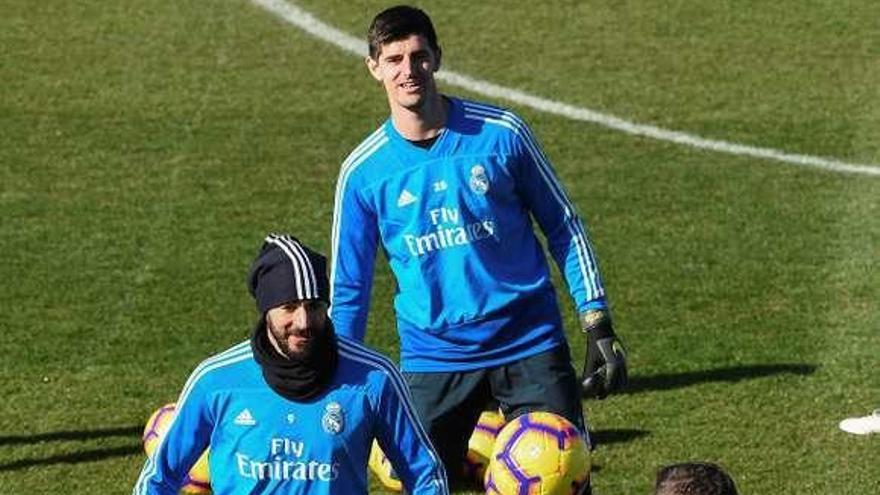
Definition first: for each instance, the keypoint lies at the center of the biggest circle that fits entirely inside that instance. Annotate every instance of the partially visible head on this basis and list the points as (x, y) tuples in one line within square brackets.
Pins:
[(693, 478), (289, 284), (397, 23)]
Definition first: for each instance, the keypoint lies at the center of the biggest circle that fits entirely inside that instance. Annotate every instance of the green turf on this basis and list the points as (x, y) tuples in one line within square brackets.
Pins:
[(146, 148)]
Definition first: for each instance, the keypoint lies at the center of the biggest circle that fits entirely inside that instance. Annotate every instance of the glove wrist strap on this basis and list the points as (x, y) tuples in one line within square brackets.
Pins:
[(597, 324)]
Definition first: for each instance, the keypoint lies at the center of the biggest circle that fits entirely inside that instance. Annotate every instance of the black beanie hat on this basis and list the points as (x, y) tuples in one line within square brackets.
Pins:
[(285, 271)]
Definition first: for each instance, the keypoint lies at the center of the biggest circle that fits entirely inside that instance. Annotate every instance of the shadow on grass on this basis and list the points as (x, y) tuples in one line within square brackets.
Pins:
[(91, 455), (605, 437), (731, 374), (123, 431), (74, 458)]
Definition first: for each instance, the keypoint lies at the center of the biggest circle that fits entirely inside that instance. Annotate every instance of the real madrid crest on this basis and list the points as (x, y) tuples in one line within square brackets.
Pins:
[(479, 181), (333, 421)]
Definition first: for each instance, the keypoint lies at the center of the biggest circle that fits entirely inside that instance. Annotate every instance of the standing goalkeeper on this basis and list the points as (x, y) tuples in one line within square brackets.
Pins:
[(449, 189)]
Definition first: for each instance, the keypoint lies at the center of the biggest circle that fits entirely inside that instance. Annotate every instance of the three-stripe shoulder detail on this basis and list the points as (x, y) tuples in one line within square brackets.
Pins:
[(234, 354), (365, 150), (362, 354), (587, 264)]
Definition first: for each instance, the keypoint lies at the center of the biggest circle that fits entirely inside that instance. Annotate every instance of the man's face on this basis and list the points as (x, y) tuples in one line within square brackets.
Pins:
[(406, 69), (295, 325)]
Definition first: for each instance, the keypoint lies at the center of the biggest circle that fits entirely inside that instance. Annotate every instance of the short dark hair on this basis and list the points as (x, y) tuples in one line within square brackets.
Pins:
[(693, 478), (397, 23)]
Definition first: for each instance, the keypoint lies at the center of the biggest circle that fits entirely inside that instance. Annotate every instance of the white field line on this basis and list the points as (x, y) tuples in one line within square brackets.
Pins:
[(308, 23)]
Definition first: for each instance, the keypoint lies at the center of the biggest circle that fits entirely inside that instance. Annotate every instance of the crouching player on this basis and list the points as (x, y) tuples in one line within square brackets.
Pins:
[(295, 408)]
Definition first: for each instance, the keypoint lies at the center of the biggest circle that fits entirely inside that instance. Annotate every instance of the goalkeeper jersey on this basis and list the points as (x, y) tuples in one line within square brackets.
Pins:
[(455, 223), (261, 442)]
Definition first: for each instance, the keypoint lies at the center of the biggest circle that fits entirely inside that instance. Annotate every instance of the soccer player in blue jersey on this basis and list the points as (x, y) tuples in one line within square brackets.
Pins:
[(449, 189), (295, 409)]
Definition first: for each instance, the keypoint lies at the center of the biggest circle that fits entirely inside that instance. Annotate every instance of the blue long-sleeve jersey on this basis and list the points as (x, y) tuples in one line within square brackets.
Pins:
[(455, 222), (263, 443)]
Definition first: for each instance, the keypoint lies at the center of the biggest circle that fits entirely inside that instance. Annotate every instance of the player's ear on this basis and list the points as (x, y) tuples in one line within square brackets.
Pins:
[(373, 67), (439, 55)]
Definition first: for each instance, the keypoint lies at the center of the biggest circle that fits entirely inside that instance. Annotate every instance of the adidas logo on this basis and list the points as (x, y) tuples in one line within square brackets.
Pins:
[(245, 418), (406, 198)]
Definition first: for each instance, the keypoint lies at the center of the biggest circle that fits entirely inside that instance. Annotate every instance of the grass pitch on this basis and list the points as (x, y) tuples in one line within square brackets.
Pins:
[(146, 148)]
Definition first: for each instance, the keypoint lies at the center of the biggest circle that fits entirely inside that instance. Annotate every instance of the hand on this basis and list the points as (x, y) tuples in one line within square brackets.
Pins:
[(605, 363), (604, 368)]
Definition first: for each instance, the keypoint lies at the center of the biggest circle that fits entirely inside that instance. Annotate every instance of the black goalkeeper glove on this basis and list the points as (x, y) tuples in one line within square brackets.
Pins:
[(605, 362)]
